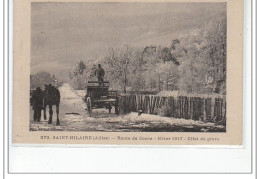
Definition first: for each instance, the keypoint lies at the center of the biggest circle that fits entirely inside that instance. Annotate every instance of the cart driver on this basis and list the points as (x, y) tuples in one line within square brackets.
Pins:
[(100, 73)]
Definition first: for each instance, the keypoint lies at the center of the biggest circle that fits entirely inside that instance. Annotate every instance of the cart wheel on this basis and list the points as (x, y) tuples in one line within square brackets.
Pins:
[(117, 110), (117, 106), (109, 108), (89, 106)]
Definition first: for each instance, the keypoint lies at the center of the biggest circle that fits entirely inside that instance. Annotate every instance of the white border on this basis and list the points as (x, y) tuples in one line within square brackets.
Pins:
[(136, 159)]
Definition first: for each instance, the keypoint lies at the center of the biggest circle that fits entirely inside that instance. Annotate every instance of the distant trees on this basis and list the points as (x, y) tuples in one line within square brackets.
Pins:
[(77, 69), (162, 66), (42, 78), (77, 76), (137, 69)]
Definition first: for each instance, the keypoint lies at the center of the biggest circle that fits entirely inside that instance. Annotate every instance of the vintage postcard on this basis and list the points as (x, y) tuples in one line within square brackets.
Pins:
[(123, 72)]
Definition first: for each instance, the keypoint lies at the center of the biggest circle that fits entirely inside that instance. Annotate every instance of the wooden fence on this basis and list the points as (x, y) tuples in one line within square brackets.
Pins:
[(197, 108)]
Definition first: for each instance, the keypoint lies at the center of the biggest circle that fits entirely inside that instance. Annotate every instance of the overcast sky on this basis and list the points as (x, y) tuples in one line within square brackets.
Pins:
[(62, 33)]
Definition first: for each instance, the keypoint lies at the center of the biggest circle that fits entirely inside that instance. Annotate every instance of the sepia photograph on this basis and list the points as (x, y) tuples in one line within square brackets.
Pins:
[(128, 67), (130, 87)]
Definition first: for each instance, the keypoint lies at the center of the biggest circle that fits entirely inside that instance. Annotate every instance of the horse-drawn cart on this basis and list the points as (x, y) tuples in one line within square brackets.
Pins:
[(98, 96)]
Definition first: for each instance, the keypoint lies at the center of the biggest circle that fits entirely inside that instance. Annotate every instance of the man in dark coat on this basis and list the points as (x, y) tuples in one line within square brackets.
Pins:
[(100, 73), (37, 103)]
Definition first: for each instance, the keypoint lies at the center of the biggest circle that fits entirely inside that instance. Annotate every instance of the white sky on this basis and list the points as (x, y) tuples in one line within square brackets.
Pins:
[(63, 33)]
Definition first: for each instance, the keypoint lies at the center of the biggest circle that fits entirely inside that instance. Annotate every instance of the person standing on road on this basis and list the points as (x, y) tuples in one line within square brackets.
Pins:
[(100, 73), (37, 104)]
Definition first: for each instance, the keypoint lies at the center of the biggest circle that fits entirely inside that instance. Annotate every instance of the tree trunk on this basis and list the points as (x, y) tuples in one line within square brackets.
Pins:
[(125, 84), (167, 82), (159, 83)]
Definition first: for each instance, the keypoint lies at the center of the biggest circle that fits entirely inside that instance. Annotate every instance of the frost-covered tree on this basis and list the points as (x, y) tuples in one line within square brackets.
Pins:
[(117, 62), (203, 67)]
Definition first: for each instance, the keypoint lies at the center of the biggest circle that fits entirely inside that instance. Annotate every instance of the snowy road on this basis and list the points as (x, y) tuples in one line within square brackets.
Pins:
[(74, 117)]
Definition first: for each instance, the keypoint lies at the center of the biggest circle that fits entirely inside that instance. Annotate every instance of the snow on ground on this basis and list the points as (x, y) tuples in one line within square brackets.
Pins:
[(74, 117), (81, 93), (69, 97), (158, 119), (146, 122)]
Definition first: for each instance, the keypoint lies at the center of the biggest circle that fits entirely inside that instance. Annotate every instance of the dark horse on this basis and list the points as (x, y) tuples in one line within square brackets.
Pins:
[(51, 97)]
